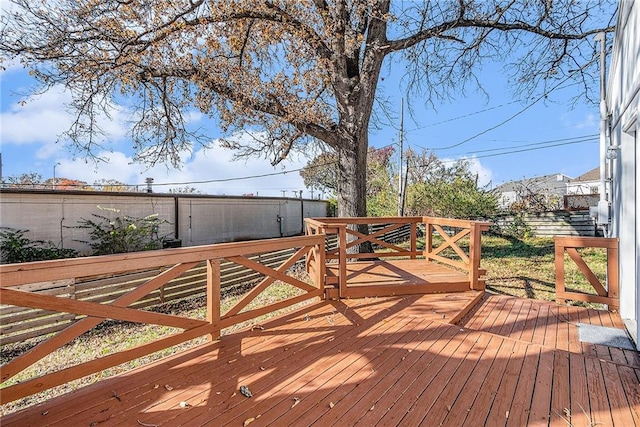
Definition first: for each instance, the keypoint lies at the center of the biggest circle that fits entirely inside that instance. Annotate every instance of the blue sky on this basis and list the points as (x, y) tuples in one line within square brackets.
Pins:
[(29, 128)]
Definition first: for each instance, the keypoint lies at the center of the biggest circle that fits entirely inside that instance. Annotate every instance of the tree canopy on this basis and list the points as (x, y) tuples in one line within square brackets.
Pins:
[(292, 73)]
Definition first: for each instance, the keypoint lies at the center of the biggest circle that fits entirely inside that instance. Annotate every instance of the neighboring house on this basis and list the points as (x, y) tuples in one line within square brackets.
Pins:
[(623, 104), (551, 187), (583, 192), (587, 183)]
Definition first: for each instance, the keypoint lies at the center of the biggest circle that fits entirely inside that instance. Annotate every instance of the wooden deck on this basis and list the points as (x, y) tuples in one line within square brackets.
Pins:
[(378, 361)]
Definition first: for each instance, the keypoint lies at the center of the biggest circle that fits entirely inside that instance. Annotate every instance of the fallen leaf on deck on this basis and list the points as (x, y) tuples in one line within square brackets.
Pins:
[(248, 421), (331, 405), (184, 404), (168, 387), (244, 390)]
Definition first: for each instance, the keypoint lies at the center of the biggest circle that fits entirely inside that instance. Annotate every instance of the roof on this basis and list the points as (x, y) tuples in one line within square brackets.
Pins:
[(535, 182), (592, 175)]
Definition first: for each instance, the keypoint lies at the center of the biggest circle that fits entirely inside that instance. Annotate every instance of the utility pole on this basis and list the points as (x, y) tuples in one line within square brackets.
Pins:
[(400, 159)]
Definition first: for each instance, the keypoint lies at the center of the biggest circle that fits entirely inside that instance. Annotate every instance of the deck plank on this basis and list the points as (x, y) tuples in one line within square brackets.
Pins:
[(620, 411), (560, 396)]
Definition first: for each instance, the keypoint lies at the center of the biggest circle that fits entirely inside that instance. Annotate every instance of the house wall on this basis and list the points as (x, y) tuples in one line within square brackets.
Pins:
[(194, 219), (623, 102), (583, 187)]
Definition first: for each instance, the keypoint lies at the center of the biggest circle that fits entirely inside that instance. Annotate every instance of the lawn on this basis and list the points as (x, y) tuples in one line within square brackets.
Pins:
[(526, 267)]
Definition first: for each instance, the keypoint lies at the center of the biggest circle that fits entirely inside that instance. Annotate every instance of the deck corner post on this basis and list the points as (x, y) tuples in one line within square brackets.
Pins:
[(559, 261), (342, 260), (414, 239), (613, 280), (213, 298), (428, 238), (321, 260), (475, 255)]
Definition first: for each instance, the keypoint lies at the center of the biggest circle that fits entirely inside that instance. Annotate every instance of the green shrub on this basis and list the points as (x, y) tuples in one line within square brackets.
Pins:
[(123, 234), (15, 247)]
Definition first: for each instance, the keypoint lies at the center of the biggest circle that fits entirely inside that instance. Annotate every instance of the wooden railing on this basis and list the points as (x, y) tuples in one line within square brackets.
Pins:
[(18, 324), (15, 280), (349, 237), (457, 229), (605, 293)]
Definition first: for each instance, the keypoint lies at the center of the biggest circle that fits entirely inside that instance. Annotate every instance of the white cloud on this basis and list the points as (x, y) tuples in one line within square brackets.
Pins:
[(43, 118), (35, 119), (591, 122), (485, 175)]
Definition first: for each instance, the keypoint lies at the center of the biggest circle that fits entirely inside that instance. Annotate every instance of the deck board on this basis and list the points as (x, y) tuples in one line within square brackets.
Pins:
[(376, 361)]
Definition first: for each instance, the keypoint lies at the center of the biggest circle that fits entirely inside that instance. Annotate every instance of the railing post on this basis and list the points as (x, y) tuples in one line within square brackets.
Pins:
[(342, 259), (475, 255), (428, 239), (612, 276), (321, 260), (213, 298), (559, 261), (414, 239)]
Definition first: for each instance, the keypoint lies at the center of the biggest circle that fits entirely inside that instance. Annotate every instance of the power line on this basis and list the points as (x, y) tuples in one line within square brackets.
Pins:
[(464, 116), (585, 138), (513, 116), (531, 149)]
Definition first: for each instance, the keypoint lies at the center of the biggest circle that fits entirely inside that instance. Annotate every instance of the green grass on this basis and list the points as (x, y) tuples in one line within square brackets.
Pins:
[(526, 268)]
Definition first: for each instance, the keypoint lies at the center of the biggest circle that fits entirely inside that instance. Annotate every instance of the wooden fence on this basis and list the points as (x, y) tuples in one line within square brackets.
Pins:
[(169, 264), (607, 293), (557, 223)]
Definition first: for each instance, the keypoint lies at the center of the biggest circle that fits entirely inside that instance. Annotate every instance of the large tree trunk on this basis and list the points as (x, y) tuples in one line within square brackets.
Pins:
[(352, 180), (352, 186)]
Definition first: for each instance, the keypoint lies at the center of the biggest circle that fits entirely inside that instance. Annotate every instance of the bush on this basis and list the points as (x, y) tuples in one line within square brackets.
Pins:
[(15, 247), (123, 234)]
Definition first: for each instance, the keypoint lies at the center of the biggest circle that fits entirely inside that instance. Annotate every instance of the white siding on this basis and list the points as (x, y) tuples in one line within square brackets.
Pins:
[(624, 103)]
